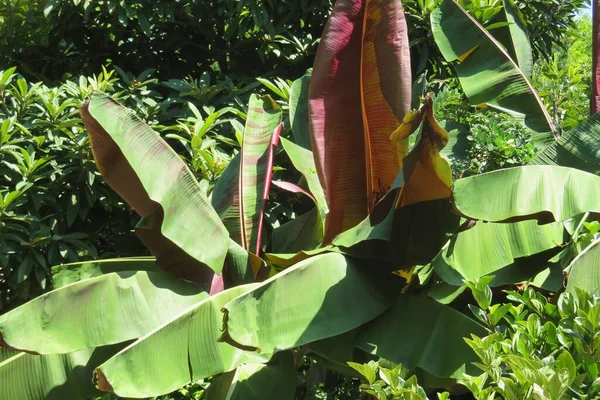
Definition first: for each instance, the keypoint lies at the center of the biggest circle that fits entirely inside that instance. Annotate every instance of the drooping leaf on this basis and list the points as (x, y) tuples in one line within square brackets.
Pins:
[(578, 148), (584, 271), (487, 247), (189, 338), (514, 37), (151, 177), (260, 140), (293, 188), (63, 275), (321, 297), (169, 256), (544, 193), (52, 377), (419, 332), (411, 223), (360, 90), (486, 71), (299, 110), (104, 310), (426, 176)]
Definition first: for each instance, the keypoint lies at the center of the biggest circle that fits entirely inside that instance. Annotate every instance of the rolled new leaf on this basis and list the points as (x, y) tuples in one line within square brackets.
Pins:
[(151, 177), (108, 309), (544, 193), (486, 71), (359, 92)]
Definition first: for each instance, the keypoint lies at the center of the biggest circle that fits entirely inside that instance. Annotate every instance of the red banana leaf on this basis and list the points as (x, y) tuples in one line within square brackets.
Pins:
[(360, 91), (242, 192)]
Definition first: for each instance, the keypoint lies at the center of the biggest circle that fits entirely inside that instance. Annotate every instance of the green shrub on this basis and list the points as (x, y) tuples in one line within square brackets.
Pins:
[(55, 208), (539, 349)]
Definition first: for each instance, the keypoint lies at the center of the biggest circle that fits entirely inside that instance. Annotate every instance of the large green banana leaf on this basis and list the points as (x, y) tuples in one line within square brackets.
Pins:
[(360, 91), (152, 178), (514, 37), (323, 296), (488, 247), (179, 351), (52, 377), (584, 271), (419, 332), (486, 71), (108, 309), (578, 148), (252, 381), (65, 274), (545, 193), (299, 110)]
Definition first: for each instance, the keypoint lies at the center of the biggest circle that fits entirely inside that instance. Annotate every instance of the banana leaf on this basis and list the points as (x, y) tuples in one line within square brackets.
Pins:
[(299, 110), (486, 71), (182, 349), (52, 377), (241, 193), (253, 381), (261, 138), (104, 310), (514, 36), (487, 247), (65, 274), (544, 193), (152, 178), (305, 232), (412, 222), (303, 161), (359, 92), (419, 332), (578, 148), (323, 296), (584, 271)]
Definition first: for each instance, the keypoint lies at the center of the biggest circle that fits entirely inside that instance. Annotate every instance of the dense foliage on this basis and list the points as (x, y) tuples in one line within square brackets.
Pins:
[(263, 215)]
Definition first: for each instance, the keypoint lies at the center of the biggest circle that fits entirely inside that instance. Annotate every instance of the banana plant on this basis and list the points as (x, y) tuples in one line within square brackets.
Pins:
[(216, 301)]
